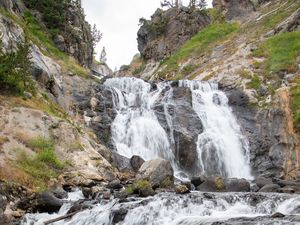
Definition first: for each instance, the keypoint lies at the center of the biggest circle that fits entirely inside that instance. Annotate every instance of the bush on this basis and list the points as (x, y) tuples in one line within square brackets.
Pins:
[(15, 69)]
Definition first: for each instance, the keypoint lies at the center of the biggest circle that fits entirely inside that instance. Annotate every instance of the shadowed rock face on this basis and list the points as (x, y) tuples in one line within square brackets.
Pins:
[(269, 132), (186, 127), (167, 31), (235, 9)]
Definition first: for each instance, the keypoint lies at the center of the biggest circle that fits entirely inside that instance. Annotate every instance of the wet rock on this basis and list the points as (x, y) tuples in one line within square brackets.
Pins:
[(212, 184), (115, 184), (197, 180), (278, 215), (181, 189), (106, 195), (156, 171), (47, 202), (287, 190), (270, 188), (119, 215), (136, 162), (254, 188), (262, 181), (186, 127), (59, 192), (93, 192), (237, 185), (79, 206)]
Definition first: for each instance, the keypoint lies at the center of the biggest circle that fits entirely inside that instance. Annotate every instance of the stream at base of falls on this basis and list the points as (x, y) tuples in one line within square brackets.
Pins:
[(196, 208)]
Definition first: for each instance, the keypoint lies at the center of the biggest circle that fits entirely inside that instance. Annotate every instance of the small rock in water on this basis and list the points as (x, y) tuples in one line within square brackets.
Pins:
[(278, 215), (106, 195), (182, 189), (197, 180), (287, 190), (119, 215)]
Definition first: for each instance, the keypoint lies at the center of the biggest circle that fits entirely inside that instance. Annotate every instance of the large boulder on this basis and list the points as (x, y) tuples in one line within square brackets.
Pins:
[(186, 126), (47, 202), (237, 185), (212, 184), (158, 172), (168, 30)]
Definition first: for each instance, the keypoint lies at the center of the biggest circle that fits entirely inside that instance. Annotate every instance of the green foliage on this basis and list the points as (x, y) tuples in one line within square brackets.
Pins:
[(216, 15), (141, 187), (201, 43), (53, 11), (157, 27), (44, 165), (295, 104), (167, 182), (186, 70), (281, 52), (45, 152), (15, 69), (254, 83)]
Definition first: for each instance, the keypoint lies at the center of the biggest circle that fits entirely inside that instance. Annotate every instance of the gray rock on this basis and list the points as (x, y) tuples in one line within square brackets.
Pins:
[(59, 41), (47, 202), (288, 190), (118, 215), (156, 171), (262, 181), (197, 180), (237, 185), (136, 162), (235, 9), (186, 127), (168, 30), (115, 184), (212, 184), (270, 188)]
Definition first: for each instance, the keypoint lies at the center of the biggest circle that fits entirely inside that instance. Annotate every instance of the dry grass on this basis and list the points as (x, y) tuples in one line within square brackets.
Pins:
[(3, 140)]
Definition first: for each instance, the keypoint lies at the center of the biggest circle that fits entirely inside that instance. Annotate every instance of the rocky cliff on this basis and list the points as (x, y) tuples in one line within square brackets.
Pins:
[(168, 30)]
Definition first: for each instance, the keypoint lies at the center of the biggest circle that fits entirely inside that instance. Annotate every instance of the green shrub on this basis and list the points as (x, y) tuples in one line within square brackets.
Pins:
[(44, 165), (254, 83), (15, 69), (45, 152), (281, 52), (186, 70)]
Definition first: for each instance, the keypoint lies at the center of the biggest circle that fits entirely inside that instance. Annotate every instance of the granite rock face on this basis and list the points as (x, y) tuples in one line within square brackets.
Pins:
[(235, 9), (168, 30)]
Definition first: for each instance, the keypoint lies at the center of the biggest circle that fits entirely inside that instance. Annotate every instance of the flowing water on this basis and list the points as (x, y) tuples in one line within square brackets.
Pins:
[(136, 130), (192, 209)]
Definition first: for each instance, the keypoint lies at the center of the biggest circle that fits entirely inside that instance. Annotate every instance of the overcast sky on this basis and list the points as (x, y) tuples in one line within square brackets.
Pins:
[(118, 21)]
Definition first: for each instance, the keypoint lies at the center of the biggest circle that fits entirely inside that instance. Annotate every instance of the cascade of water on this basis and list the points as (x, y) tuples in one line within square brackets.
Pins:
[(222, 149), (136, 130), (192, 209)]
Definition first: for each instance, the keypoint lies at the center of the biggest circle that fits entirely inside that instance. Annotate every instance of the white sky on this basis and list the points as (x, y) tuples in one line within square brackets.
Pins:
[(118, 21)]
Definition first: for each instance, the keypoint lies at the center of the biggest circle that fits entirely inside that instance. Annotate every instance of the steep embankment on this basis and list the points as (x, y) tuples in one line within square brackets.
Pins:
[(44, 75), (252, 50)]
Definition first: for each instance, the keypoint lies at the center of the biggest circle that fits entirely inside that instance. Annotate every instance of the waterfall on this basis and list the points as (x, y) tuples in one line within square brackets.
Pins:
[(221, 147)]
